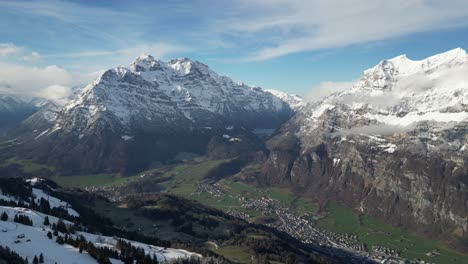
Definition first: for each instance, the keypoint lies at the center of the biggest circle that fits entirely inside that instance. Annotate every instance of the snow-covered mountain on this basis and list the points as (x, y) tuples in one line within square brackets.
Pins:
[(401, 92), (173, 95), (151, 108), (294, 101), (397, 137)]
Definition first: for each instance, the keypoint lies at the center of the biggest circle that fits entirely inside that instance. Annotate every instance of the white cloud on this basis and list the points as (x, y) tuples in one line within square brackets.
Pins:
[(55, 83), (34, 56), (7, 49), (50, 82), (326, 88), (292, 26), (56, 93)]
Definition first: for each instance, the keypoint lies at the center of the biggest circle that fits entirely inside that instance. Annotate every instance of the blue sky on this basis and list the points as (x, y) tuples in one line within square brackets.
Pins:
[(290, 45)]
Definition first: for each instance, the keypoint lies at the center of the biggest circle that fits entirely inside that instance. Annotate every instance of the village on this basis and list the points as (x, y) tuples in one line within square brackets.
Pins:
[(299, 226), (302, 227)]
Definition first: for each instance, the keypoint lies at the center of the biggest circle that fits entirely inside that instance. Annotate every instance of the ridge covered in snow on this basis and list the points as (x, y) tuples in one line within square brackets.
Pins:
[(401, 92), (176, 91)]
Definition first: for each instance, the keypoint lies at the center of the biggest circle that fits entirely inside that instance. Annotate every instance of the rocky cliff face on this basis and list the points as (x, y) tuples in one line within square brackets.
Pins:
[(150, 111), (395, 145)]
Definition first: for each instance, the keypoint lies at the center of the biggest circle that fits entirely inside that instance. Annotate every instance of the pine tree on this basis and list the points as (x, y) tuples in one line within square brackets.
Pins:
[(41, 258), (59, 240), (4, 216), (35, 260), (61, 226), (49, 235), (46, 221)]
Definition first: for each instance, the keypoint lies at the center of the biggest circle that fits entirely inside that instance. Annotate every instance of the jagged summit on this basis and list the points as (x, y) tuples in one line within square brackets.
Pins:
[(403, 92), (385, 75), (154, 107), (181, 66), (180, 89)]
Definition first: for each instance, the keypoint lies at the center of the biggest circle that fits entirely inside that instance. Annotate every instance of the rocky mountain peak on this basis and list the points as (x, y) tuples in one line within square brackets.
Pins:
[(186, 66), (144, 63), (386, 74), (154, 107), (398, 136)]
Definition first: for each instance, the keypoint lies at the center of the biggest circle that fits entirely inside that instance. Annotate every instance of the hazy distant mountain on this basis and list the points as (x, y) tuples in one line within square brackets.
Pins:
[(14, 109)]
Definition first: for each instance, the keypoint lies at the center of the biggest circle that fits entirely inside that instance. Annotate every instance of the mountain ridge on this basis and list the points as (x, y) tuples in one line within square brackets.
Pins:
[(394, 137), (150, 108)]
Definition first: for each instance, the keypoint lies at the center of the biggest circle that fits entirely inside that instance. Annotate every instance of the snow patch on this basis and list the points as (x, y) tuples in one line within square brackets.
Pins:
[(41, 134), (126, 137)]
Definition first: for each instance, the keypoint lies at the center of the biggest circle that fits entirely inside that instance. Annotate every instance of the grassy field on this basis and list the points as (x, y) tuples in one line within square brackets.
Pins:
[(236, 254), (343, 220), (375, 232), (184, 179), (96, 180), (27, 165)]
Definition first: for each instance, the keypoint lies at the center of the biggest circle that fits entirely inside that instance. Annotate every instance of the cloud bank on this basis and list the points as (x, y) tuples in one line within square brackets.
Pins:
[(326, 88)]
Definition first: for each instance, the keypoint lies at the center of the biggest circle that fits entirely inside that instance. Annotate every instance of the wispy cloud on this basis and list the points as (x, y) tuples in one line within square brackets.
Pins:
[(97, 20), (318, 24), (252, 29), (155, 49)]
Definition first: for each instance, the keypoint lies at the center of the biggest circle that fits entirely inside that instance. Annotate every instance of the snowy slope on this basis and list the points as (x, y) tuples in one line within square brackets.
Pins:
[(35, 241), (53, 201), (161, 253), (40, 243)]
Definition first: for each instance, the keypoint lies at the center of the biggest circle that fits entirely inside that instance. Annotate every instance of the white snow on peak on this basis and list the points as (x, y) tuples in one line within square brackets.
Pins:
[(143, 61), (293, 100), (406, 66), (387, 72), (403, 92), (171, 91)]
